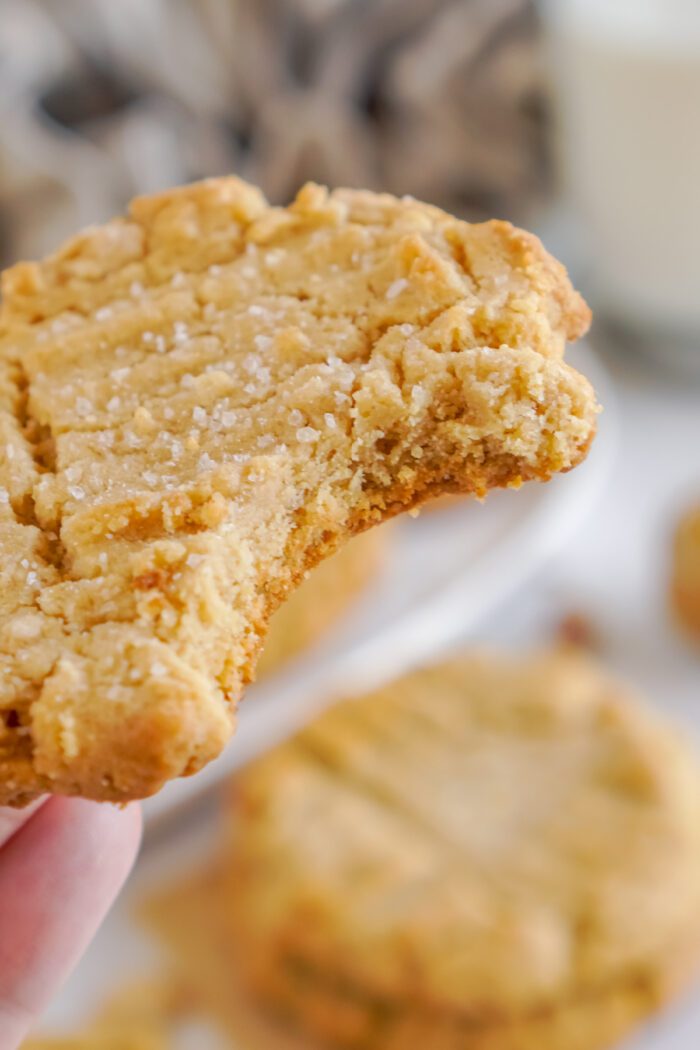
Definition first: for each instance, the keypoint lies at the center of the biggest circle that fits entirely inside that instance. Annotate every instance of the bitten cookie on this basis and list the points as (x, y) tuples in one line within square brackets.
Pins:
[(493, 854), (200, 401)]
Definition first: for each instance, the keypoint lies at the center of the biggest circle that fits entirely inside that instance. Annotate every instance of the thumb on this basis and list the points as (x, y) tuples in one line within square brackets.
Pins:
[(59, 873)]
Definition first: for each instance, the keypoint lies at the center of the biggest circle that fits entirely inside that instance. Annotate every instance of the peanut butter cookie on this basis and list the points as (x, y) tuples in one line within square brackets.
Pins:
[(200, 401), (493, 854)]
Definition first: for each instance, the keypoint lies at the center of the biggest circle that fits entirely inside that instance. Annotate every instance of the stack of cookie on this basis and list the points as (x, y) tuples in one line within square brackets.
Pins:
[(492, 854)]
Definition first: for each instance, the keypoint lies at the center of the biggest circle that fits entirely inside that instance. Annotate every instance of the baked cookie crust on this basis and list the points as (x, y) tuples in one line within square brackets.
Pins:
[(200, 401)]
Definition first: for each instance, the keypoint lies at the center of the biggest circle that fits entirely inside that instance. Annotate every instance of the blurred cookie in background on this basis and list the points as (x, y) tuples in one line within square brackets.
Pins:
[(685, 573), (322, 600), (499, 852)]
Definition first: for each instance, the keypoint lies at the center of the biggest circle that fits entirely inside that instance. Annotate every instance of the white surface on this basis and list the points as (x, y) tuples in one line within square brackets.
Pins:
[(613, 568)]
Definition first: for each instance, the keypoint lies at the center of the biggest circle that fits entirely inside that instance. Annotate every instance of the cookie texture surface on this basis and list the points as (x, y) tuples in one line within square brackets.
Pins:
[(200, 401), (685, 578), (498, 853)]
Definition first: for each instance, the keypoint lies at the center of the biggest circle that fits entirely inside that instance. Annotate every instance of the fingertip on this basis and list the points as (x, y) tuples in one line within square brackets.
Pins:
[(107, 836), (59, 875)]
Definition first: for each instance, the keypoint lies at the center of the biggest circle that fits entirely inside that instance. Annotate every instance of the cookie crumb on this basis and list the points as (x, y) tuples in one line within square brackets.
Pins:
[(307, 435), (396, 288)]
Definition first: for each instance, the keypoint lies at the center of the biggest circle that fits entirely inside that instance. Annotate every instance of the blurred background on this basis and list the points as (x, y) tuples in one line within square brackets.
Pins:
[(439, 99), (579, 119)]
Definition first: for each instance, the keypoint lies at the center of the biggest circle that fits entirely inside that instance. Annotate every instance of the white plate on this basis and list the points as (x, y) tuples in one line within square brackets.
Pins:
[(448, 570)]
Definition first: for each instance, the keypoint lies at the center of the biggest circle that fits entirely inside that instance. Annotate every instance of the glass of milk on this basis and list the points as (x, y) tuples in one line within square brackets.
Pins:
[(627, 90)]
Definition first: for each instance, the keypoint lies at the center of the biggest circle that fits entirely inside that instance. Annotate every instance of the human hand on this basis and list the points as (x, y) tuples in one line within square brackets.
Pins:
[(62, 863)]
